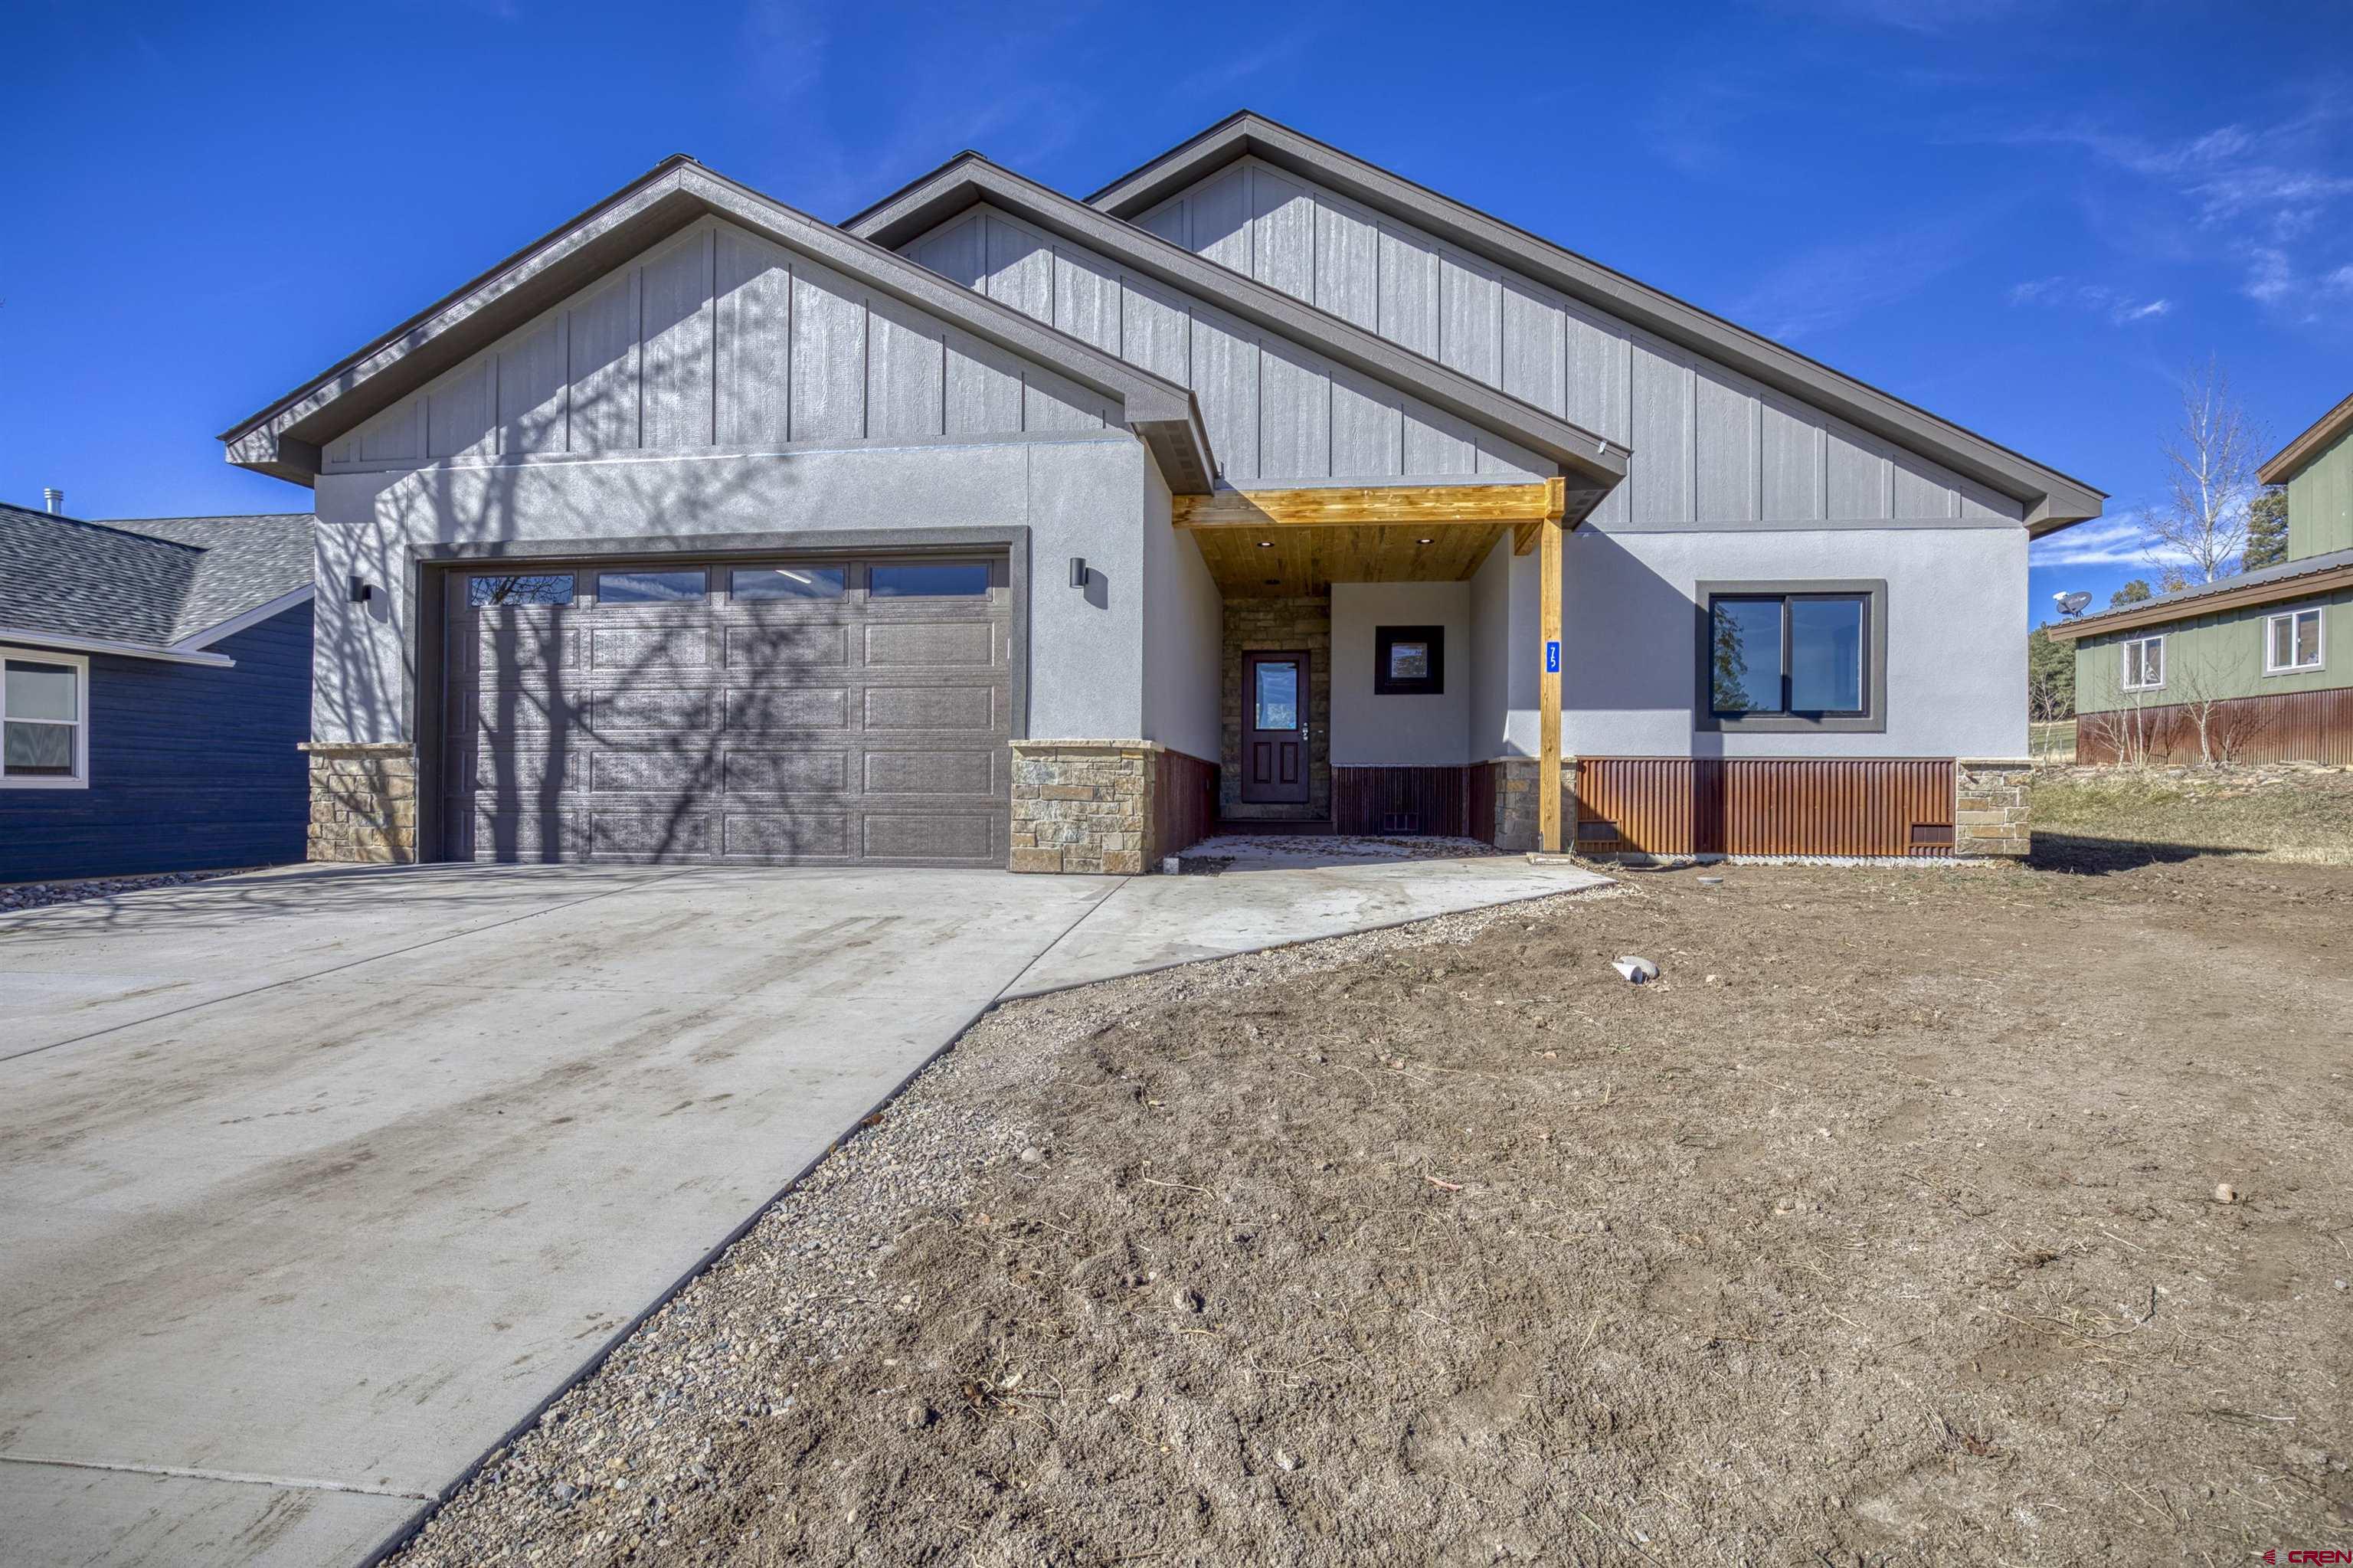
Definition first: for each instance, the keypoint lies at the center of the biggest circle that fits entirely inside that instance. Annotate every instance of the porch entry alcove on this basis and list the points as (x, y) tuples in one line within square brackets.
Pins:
[(1353, 656)]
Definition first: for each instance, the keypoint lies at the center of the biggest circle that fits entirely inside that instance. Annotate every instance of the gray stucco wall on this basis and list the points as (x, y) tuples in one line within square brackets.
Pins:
[(1487, 720), (1955, 643), (1184, 623), (1371, 729), (1077, 496)]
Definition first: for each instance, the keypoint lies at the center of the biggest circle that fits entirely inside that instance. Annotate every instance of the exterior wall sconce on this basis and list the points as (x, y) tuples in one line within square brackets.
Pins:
[(1079, 572), (361, 591)]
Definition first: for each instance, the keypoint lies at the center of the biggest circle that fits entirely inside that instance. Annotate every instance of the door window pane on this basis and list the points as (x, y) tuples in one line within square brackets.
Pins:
[(651, 588), (787, 582), (1744, 651), (38, 750), (37, 691), (519, 588), (927, 579), (1826, 655), (1277, 698)]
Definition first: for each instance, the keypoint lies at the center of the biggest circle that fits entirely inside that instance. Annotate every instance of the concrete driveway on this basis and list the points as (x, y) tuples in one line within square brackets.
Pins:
[(315, 1184)]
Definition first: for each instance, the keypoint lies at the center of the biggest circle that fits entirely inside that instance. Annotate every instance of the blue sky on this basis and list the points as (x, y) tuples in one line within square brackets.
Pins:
[(2031, 217)]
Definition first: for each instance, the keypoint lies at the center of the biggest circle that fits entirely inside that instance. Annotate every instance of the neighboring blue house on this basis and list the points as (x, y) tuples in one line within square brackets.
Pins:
[(157, 683)]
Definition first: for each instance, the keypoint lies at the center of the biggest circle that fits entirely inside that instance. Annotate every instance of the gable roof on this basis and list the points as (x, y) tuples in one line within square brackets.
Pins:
[(2265, 585), (2053, 499), (285, 438), (155, 587), (2298, 454), (969, 179)]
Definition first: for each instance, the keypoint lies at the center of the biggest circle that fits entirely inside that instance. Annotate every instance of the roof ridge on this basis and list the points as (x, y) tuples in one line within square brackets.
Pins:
[(103, 527), (1639, 297), (1276, 301)]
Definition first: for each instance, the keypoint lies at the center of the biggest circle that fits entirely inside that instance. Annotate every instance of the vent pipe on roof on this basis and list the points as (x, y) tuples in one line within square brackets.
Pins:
[(53, 500)]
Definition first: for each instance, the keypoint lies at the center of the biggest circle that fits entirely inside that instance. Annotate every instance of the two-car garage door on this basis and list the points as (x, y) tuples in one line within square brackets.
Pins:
[(764, 712)]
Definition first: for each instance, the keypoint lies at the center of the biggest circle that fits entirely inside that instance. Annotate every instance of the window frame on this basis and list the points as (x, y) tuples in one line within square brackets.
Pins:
[(2319, 640), (2123, 662), (1386, 638), (993, 567), (79, 663), (1870, 719)]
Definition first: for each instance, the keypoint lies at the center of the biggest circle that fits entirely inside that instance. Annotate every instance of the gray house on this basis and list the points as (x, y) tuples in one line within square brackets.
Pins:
[(997, 527)]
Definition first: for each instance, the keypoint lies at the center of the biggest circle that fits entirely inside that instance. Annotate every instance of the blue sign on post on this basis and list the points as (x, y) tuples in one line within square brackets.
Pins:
[(1552, 658)]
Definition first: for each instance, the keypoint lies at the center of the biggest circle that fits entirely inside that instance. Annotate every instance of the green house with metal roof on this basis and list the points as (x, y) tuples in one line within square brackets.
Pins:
[(2255, 667)]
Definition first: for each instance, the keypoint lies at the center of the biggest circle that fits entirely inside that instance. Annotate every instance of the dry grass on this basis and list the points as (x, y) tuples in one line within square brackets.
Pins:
[(2297, 816)]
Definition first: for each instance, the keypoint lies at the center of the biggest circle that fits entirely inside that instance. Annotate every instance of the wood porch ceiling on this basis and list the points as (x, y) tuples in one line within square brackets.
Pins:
[(1280, 544)]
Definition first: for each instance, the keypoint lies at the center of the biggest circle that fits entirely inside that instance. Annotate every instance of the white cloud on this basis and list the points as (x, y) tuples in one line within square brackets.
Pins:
[(1830, 285), (2117, 541), (2120, 308), (2255, 197)]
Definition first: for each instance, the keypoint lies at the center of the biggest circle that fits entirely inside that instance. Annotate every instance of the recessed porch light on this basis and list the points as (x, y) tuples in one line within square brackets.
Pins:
[(1424, 541), (1266, 544)]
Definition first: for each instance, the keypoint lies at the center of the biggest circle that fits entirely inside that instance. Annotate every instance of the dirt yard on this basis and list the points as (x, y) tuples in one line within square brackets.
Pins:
[(1923, 1215)]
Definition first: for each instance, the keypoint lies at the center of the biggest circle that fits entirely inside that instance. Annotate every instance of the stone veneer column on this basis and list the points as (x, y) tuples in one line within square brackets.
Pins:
[(1517, 825), (1083, 806), (1993, 808), (363, 802)]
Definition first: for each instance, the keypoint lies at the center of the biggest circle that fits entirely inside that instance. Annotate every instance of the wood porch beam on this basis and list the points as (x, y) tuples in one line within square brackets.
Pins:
[(1548, 566), (1418, 505)]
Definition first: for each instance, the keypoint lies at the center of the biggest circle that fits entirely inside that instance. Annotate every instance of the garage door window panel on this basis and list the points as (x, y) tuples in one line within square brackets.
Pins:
[(930, 579), (766, 585), (652, 586)]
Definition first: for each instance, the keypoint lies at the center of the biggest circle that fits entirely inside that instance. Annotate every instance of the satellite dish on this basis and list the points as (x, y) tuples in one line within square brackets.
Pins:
[(2072, 603)]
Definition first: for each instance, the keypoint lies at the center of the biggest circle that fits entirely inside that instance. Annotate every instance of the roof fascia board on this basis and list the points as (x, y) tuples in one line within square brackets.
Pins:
[(2053, 499), (970, 180), (285, 438), (18, 636), (245, 621), (2298, 455), (2160, 612)]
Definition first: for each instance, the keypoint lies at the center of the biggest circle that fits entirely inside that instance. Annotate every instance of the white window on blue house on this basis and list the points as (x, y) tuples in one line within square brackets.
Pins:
[(2144, 664), (2292, 642), (44, 720)]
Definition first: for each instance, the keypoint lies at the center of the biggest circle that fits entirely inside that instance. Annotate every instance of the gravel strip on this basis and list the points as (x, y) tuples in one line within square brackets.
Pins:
[(799, 1292), (36, 894)]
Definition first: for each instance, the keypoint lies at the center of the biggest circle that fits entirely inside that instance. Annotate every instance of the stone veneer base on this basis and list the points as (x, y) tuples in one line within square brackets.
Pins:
[(1084, 806), (363, 802), (1993, 808)]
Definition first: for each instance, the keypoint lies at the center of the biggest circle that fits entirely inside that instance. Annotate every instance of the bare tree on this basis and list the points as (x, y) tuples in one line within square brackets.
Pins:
[(2212, 459), (2124, 736), (2224, 721)]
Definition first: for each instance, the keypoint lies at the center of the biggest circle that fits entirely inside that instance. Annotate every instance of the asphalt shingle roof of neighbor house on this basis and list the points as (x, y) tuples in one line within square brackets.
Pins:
[(2265, 585), (154, 582)]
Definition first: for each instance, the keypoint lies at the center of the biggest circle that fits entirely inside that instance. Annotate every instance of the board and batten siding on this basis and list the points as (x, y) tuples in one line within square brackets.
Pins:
[(192, 767), (1275, 412), (2320, 503), (1711, 448), (718, 338)]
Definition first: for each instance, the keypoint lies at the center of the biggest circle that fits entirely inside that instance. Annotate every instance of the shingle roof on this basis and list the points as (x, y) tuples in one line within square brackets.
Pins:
[(153, 581)]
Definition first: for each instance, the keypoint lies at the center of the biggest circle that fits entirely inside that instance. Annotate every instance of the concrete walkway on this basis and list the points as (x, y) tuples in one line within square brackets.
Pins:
[(315, 1184)]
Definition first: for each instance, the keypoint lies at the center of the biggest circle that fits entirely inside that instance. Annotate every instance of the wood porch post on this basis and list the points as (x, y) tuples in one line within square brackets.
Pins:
[(1548, 714)]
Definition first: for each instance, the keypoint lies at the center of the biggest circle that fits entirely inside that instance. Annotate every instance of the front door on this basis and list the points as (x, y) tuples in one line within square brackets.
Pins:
[(1274, 728)]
